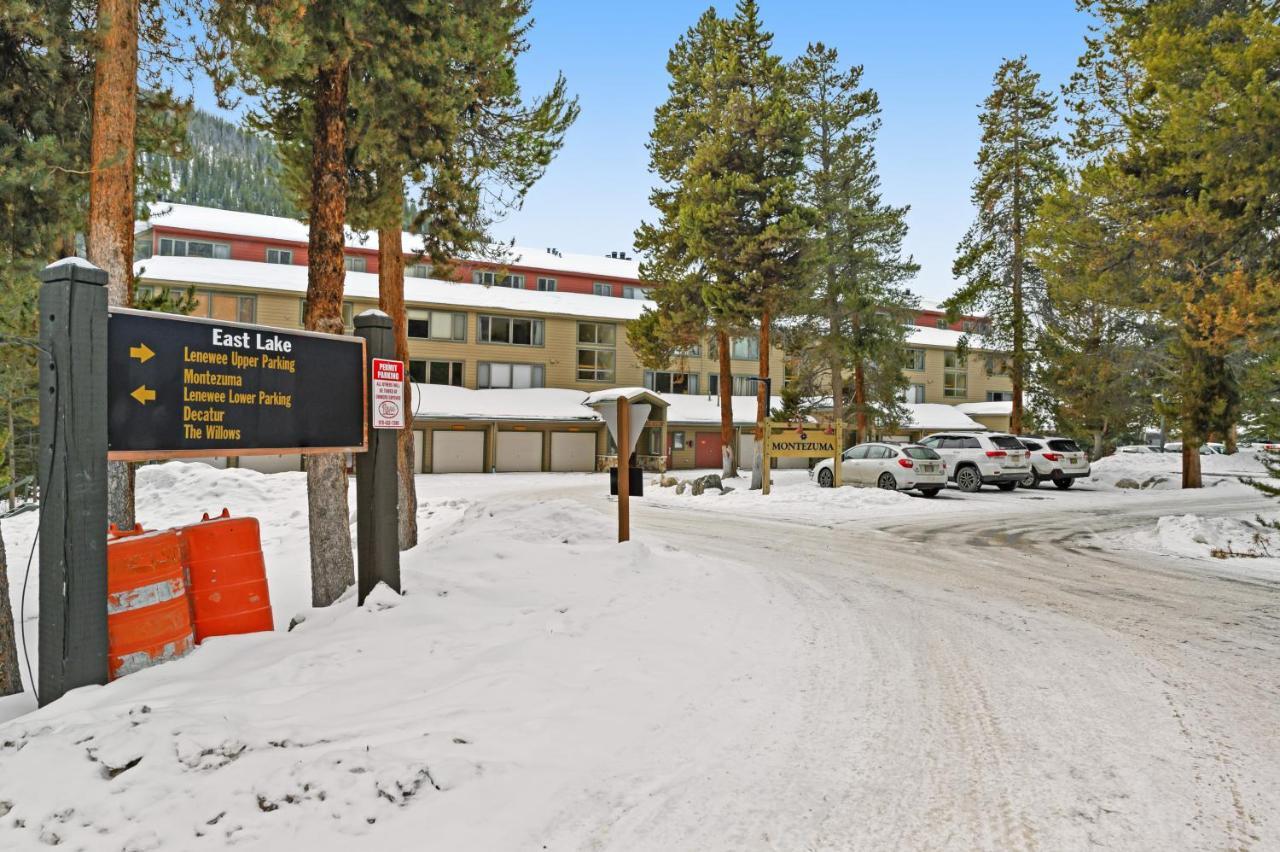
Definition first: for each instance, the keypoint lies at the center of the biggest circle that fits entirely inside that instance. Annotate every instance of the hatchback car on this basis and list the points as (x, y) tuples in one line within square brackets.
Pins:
[(1059, 460), (895, 467), (975, 459)]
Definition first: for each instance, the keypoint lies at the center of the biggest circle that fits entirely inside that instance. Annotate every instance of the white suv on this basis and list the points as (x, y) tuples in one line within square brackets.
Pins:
[(975, 459), (1058, 459)]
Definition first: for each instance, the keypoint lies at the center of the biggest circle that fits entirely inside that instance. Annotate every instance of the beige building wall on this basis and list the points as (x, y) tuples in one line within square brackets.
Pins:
[(558, 355), (979, 382)]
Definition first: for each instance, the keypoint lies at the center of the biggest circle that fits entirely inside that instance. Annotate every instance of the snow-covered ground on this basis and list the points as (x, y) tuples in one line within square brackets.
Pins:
[(528, 649), (815, 669), (1140, 471)]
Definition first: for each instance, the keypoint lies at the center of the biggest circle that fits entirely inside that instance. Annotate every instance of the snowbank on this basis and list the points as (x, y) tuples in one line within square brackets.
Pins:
[(1164, 470), (529, 647), (1234, 544)]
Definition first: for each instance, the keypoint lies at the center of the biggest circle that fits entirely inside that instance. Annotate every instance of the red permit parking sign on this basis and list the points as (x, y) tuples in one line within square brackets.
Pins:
[(388, 394)]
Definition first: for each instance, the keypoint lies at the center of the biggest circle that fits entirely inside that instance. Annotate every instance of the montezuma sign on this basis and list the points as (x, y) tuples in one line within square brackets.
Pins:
[(186, 386), (801, 443)]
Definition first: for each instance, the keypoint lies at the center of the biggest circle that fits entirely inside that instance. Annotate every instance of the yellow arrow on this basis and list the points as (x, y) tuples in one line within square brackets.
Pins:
[(143, 394), (142, 352)]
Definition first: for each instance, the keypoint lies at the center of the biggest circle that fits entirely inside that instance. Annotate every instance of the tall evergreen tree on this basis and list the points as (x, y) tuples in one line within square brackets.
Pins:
[(1185, 99), (1017, 164), (727, 147), (853, 318)]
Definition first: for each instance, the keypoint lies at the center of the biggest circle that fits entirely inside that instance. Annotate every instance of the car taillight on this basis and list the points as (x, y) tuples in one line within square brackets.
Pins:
[(1052, 456), (996, 454), (906, 463)]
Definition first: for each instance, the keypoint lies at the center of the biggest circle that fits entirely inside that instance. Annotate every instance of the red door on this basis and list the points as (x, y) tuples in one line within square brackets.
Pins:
[(706, 450)]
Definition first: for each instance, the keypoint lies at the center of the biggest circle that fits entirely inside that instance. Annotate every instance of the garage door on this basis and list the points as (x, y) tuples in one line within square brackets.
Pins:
[(457, 452), (519, 451), (573, 451)]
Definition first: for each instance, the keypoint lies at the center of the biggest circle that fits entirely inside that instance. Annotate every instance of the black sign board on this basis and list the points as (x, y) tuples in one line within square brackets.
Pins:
[(185, 386)]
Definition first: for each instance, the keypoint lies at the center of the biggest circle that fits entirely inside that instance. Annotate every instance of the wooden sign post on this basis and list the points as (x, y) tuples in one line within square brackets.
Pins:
[(782, 440), (624, 471)]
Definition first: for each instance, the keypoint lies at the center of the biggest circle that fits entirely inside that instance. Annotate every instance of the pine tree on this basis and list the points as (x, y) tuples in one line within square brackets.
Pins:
[(1194, 161), (1017, 164), (10, 678), (727, 147), (854, 314)]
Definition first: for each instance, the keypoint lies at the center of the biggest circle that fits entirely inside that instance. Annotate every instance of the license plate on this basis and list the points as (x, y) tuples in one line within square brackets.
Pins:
[(926, 468)]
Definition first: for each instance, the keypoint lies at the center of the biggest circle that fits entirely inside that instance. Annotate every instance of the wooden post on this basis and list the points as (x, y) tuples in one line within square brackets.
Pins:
[(624, 469), (838, 478), (764, 450), (73, 477), (377, 477)]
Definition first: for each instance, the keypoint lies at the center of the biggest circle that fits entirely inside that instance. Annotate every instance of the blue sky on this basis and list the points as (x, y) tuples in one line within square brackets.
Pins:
[(930, 60)]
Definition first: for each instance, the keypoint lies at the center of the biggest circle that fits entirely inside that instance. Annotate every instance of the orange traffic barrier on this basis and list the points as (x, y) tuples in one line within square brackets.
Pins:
[(148, 616), (227, 575)]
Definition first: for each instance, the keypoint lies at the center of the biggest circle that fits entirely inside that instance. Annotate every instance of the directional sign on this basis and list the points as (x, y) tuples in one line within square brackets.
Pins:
[(187, 386)]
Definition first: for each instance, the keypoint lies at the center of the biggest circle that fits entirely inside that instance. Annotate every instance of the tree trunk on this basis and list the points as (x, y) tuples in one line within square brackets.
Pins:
[(1191, 464), (728, 452), (1019, 320), (860, 399), (762, 404), (111, 187), (10, 452), (10, 679), (1230, 440), (332, 563), (1097, 444), (391, 301)]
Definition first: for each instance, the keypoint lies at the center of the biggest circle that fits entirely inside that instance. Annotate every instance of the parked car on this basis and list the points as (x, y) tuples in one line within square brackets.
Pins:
[(898, 467), (975, 459), (1138, 448), (1205, 449), (1059, 460)]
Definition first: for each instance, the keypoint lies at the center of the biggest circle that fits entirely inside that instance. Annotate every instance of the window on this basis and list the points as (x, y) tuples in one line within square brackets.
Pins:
[(745, 348), (517, 331), (742, 385), (915, 360), (491, 374), (919, 453), (878, 452), (596, 357), (1064, 445), (275, 255), (665, 382), (955, 379), (194, 248), (599, 288), (858, 452), (142, 246), (915, 394), (595, 365), (418, 270), (972, 444), (436, 325), (677, 440), (436, 372), (694, 351), (547, 285), (354, 263), (489, 278), (997, 366), (942, 322), (597, 333), (1034, 446), (348, 312), (225, 306), (999, 396), (976, 326), (630, 292), (1005, 442)]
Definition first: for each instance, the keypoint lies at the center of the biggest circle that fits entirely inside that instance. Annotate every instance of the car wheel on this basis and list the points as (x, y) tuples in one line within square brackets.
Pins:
[(825, 478), (969, 479), (930, 492), (1031, 480), (1064, 484), (887, 482), (1006, 486)]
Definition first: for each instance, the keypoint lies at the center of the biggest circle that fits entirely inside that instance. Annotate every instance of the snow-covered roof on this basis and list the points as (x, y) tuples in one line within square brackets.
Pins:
[(448, 402), (923, 335), (189, 217), (990, 409), (364, 285), (700, 408), (613, 394), (936, 416)]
